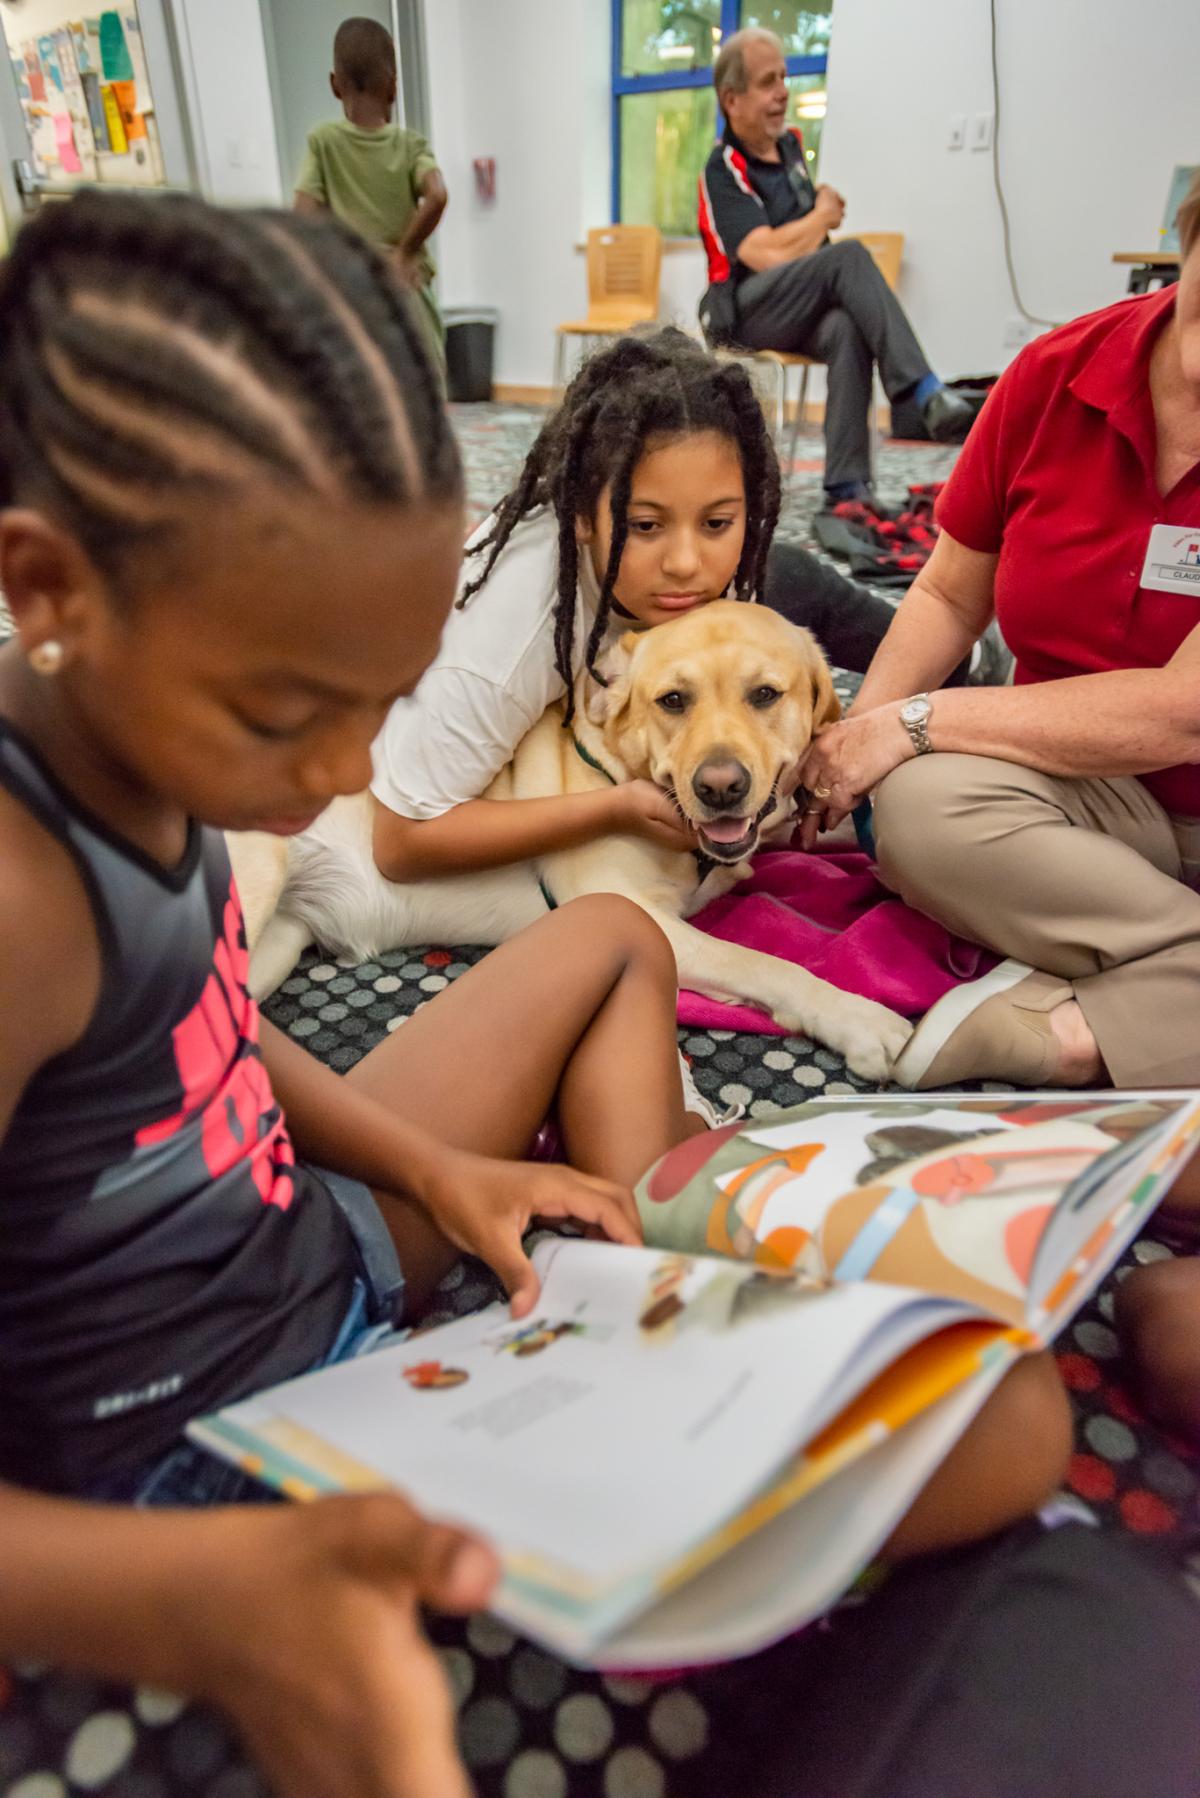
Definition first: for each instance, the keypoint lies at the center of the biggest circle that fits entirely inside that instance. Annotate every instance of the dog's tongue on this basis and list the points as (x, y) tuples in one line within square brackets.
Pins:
[(724, 830)]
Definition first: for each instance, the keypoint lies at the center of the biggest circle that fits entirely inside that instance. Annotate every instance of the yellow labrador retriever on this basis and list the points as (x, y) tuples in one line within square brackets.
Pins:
[(715, 708)]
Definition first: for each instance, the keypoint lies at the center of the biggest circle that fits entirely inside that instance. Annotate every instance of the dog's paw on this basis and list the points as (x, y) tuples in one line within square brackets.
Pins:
[(870, 1037)]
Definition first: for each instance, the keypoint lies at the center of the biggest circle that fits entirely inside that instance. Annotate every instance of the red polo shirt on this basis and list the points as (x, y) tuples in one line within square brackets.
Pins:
[(1057, 477)]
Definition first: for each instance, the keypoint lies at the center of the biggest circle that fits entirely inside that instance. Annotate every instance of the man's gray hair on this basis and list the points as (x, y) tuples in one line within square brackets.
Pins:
[(729, 70)]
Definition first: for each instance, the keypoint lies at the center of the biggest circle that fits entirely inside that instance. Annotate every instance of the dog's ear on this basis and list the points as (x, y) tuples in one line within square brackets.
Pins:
[(827, 707), (606, 698)]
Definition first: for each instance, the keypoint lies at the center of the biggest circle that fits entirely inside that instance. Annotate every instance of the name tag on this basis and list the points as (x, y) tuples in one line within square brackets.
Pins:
[(1173, 560)]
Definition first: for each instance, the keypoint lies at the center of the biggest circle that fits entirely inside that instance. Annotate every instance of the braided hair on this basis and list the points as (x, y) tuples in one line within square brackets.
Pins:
[(155, 350), (660, 385)]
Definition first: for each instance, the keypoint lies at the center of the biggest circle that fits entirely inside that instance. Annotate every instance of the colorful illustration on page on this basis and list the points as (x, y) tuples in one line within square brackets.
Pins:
[(522, 1341), (431, 1376), (927, 1196)]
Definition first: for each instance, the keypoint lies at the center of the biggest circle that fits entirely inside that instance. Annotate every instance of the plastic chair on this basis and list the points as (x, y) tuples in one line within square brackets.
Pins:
[(887, 250), (624, 269)]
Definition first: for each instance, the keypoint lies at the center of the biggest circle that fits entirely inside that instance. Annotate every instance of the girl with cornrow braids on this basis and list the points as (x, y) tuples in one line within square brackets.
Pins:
[(653, 489), (230, 527)]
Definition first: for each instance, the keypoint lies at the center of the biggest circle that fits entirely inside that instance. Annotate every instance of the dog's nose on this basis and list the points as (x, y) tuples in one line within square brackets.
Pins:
[(721, 785)]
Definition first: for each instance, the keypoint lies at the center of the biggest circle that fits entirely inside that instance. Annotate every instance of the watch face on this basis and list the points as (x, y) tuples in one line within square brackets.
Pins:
[(914, 710)]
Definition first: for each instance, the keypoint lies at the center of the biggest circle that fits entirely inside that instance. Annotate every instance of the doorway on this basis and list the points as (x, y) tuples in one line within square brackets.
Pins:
[(88, 99)]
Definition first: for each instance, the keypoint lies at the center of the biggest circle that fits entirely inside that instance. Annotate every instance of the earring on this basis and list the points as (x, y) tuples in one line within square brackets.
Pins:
[(46, 658)]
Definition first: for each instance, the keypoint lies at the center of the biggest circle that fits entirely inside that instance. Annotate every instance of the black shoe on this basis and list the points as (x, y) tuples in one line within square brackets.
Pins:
[(947, 416)]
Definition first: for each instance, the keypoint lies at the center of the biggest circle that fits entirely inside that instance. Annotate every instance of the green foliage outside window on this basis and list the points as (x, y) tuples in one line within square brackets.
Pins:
[(666, 133)]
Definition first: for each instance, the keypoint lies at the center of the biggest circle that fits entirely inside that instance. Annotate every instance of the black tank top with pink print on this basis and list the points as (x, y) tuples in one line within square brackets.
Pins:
[(160, 1251)]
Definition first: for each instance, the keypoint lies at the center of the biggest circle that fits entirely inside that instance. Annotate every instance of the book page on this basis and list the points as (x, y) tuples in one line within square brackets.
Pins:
[(946, 1194), (795, 1568), (1102, 1214), (644, 1402)]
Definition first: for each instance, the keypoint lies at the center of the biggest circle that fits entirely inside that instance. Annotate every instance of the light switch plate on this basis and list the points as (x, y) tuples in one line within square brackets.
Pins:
[(981, 131)]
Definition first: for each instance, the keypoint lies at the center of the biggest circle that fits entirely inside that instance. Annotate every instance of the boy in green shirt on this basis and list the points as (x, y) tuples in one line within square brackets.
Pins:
[(375, 176)]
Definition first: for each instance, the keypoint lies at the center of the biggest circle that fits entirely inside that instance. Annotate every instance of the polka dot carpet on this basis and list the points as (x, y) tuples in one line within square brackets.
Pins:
[(530, 1727)]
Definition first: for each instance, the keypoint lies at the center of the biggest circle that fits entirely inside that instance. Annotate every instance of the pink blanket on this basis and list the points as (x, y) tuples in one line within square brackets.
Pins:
[(829, 913)]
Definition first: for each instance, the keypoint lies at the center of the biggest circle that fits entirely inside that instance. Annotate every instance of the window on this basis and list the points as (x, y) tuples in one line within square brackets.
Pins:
[(664, 110)]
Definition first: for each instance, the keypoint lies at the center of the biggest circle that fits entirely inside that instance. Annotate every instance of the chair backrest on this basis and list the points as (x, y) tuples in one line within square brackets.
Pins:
[(887, 247), (624, 266)]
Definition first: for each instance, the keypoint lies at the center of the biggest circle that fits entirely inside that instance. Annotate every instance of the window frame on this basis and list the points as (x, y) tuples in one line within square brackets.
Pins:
[(669, 81)]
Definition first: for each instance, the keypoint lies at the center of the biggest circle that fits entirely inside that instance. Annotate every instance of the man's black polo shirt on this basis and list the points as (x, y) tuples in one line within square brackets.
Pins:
[(739, 192)]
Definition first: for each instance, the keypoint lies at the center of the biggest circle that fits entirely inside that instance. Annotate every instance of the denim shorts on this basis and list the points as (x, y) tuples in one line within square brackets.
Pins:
[(189, 1475)]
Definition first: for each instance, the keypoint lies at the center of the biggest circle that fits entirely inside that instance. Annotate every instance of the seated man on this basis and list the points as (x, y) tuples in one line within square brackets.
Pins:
[(777, 283)]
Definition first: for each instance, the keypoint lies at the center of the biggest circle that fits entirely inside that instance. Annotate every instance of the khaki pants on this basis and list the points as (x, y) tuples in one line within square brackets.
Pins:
[(1083, 878)]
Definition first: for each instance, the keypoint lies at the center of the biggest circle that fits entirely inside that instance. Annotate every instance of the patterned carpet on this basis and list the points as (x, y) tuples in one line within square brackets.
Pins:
[(531, 1727)]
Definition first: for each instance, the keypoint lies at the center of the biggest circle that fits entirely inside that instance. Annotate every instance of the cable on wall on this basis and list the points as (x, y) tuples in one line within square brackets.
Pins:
[(1022, 308)]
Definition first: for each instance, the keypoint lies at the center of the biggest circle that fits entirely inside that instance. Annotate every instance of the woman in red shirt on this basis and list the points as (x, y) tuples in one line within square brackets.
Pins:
[(1058, 821)]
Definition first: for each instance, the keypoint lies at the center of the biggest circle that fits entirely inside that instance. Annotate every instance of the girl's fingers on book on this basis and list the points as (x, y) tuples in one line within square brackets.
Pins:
[(600, 1203), (385, 1538), (515, 1271)]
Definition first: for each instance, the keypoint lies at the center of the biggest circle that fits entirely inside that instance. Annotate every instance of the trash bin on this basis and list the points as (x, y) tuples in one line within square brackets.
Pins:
[(470, 344)]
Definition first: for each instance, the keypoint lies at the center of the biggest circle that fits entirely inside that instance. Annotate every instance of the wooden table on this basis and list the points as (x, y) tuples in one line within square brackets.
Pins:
[(1146, 266)]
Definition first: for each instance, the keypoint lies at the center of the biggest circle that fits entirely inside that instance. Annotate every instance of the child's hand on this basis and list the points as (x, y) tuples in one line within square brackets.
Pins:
[(408, 267), (305, 1630), (644, 810), (485, 1207)]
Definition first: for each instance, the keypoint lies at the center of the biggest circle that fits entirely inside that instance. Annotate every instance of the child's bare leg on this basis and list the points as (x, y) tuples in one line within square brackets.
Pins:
[(580, 1006), (1158, 1318), (1009, 1462), (1180, 1210)]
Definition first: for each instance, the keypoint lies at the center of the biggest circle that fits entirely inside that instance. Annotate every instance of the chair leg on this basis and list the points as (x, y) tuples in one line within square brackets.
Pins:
[(559, 346), (797, 422), (780, 415), (875, 436)]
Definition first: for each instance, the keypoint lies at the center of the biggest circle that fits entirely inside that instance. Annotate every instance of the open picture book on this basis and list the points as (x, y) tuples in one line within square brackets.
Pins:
[(690, 1449)]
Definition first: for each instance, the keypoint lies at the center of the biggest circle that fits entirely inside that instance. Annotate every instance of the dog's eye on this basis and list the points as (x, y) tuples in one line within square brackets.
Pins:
[(762, 697), (672, 702)]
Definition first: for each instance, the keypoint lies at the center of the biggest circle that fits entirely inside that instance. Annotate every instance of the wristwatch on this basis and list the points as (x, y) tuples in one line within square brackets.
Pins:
[(914, 716)]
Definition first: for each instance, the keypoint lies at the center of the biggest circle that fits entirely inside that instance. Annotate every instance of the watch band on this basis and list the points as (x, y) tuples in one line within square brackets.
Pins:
[(918, 728)]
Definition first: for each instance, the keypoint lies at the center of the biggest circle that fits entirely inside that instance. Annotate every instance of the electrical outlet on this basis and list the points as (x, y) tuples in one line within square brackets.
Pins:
[(233, 153), (981, 131), (958, 131), (1017, 332)]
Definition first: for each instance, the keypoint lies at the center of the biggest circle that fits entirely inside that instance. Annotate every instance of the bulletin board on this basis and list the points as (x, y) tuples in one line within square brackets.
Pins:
[(85, 92)]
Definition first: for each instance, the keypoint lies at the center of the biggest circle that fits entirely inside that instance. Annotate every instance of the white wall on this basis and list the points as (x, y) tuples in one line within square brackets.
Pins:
[(1096, 111), (525, 81), (229, 99), (1098, 107), (454, 244)]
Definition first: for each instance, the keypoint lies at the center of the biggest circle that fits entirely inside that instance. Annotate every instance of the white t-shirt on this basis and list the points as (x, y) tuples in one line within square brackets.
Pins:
[(492, 679)]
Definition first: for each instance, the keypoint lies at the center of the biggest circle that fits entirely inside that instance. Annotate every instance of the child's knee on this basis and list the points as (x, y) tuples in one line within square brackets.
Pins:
[(1179, 1212), (1035, 1423), (1026, 1432), (1006, 1465), (1158, 1318), (622, 926)]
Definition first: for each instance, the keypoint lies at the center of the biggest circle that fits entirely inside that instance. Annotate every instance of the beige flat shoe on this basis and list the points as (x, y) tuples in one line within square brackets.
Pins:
[(996, 1028)]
